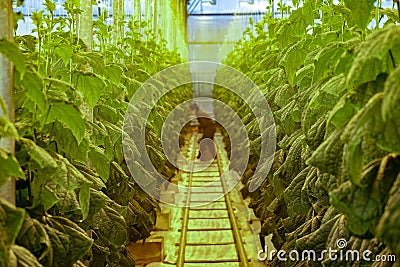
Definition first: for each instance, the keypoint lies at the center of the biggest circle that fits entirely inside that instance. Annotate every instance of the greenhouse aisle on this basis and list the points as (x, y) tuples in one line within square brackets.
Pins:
[(310, 101), (212, 232)]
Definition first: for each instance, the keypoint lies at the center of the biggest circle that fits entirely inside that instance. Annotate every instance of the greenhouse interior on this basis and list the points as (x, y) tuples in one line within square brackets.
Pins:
[(221, 133)]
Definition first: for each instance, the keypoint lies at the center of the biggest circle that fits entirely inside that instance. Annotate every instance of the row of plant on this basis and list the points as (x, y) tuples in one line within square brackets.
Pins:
[(77, 201), (333, 85)]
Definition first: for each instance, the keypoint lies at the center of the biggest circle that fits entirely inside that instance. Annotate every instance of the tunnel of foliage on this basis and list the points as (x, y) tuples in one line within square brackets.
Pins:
[(77, 201), (333, 85)]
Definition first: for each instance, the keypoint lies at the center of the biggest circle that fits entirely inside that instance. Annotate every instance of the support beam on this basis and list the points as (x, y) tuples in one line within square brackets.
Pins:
[(85, 23), (118, 20), (137, 10), (7, 91), (149, 14)]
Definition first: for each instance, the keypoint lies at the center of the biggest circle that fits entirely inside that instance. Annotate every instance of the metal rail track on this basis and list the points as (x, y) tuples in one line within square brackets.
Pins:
[(210, 234)]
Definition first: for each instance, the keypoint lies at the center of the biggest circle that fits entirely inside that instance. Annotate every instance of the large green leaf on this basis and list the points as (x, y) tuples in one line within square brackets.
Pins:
[(38, 154), (70, 117), (107, 218), (100, 162), (360, 11), (11, 221), (376, 55), (84, 199), (293, 30), (69, 242), (320, 100), (24, 257), (108, 114), (328, 155), (368, 123), (326, 60), (67, 175), (389, 224), (114, 73), (9, 166), (363, 123), (66, 200), (65, 52), (34, 237), (335, 86), (342, 112), (11, 51), (70, 178), (94, 59), (7, 129), (293, 59), (68, 144), (391, 96), (363, 206), (32, 85), (91, 86)]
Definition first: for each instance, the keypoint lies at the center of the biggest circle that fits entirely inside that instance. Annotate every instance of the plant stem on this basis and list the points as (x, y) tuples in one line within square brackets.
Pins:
[(378, 6), (392, 58)]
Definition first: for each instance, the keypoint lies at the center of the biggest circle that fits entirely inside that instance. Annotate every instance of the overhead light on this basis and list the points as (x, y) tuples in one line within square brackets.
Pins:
[(209, 2), (246, 2)]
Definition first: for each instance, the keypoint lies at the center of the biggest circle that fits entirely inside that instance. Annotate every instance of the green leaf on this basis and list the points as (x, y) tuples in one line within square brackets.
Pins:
[(108, 114), (70, 178), (65, 52), (388, 226), (360, 11), (327, 157), (50, 5), (363, 123), (325, 38), (100, 162), (391, 96), (374, 56), (9, 166), (106, 217), (302, 73), (11, 221), (84, 200), (91, 86), (68, 144), (293, 59), (66, 200), (114, 73), (67, 175), (335, 86), (33, 236), (70, 117), (33, 84), (326, 60), (7, 128), (48, 197), (38, 154), (69, 241), (12, 52), (24, 257), (320, 102), (341, 113), (94, 59)]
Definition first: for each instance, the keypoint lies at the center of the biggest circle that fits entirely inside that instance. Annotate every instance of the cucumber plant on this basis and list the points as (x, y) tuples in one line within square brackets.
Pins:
[(333, 87), (60, 197)]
